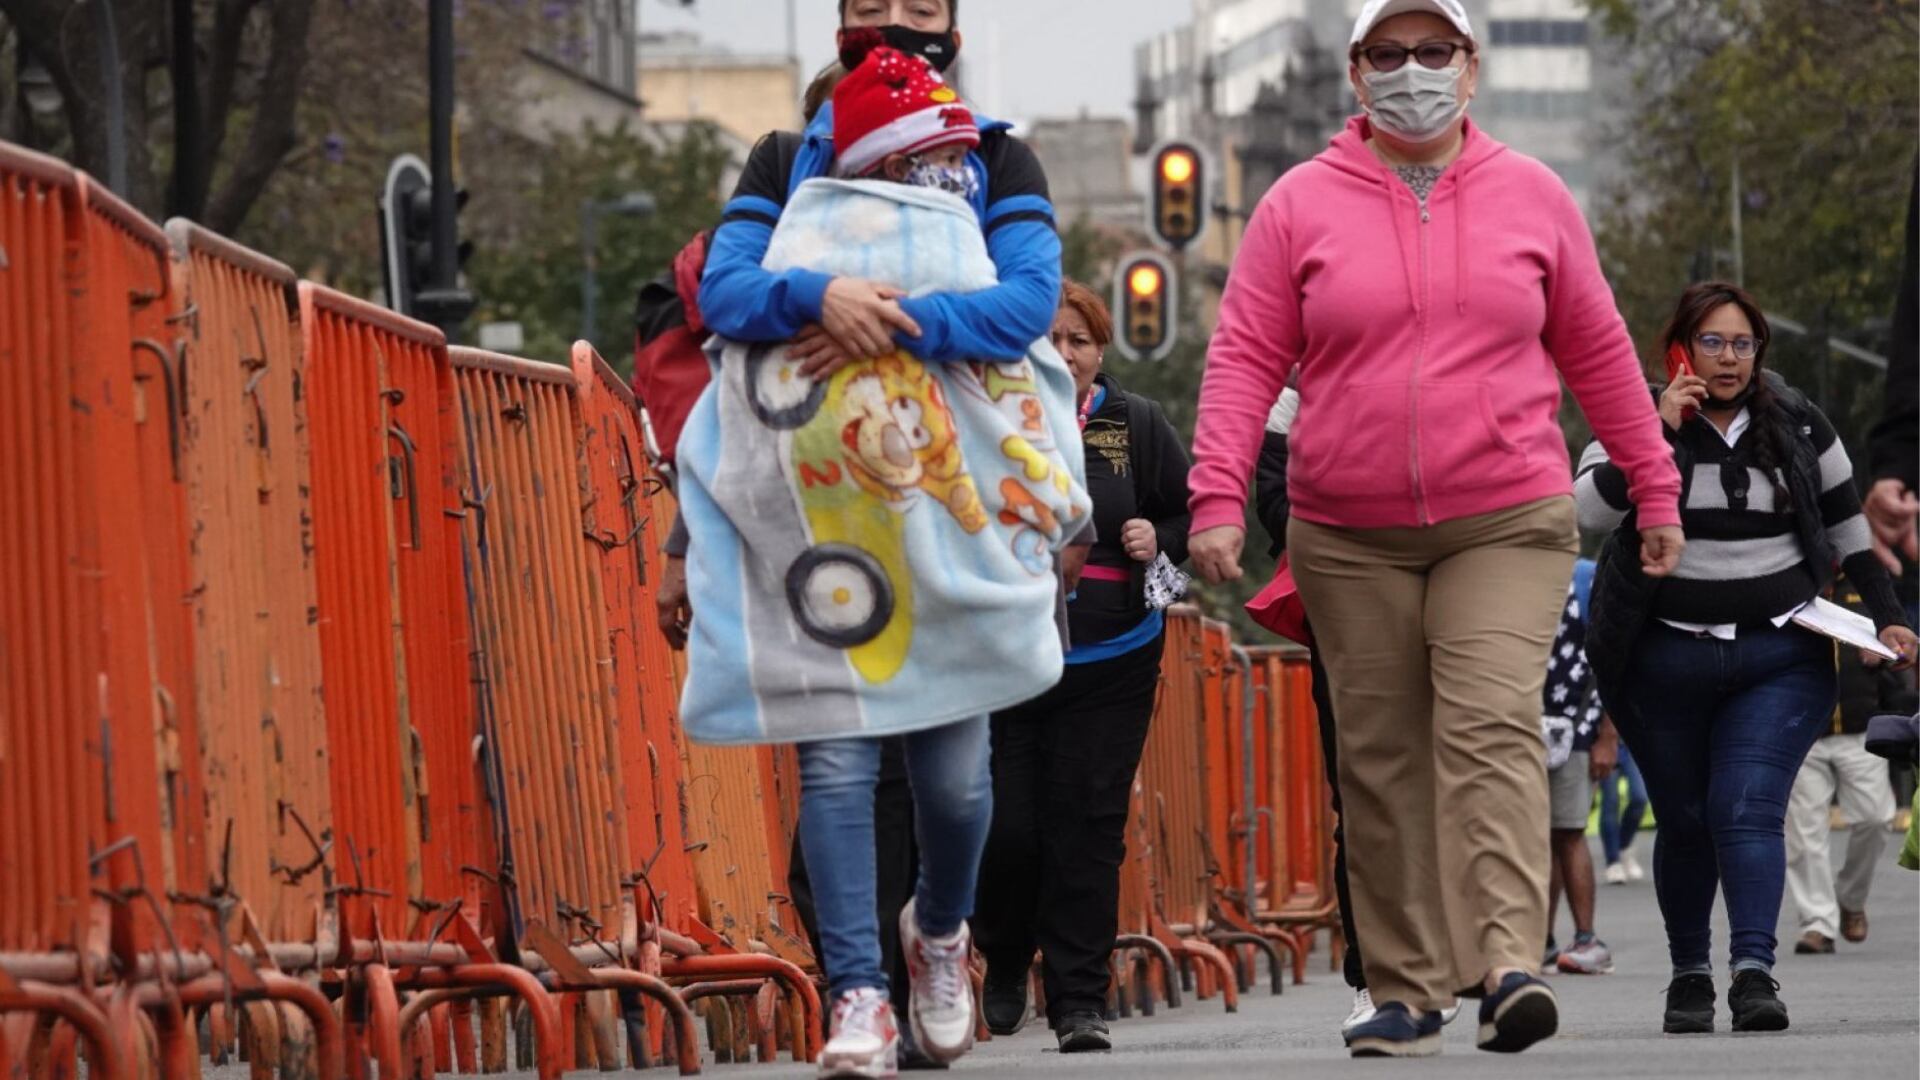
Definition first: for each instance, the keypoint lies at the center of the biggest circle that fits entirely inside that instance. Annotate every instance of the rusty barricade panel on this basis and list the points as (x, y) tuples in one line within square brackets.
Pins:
[(540, 643), (1296, 850), (45, 697), (1172, 774), (134, 550), (625, 526), (388, 556), (257, 658)]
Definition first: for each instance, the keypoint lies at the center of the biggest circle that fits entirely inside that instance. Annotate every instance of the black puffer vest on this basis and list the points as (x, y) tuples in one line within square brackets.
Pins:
[(1623, 595)]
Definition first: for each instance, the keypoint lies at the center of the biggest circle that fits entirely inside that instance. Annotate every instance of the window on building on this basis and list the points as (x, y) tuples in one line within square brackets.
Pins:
[(1563, 33)]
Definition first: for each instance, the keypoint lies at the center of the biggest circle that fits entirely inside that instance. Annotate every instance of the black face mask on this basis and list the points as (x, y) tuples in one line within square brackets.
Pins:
[(939, 49)]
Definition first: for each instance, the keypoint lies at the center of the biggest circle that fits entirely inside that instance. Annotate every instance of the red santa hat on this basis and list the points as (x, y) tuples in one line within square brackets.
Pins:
[(892, 103)]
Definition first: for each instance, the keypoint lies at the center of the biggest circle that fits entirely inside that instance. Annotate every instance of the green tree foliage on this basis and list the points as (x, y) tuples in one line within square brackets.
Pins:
[(1815, 100), (531, 274)]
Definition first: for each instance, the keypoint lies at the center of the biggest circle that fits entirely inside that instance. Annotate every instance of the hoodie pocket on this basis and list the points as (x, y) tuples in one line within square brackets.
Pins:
[(1358, 444), (1462, 444)]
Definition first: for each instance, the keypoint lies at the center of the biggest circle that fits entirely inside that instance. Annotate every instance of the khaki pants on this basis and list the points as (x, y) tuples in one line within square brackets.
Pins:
[(1437, 640), (1837, 764)]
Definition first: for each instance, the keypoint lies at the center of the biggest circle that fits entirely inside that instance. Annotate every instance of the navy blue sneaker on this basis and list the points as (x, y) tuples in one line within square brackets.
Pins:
[(1394, 1031), (1521, 1012)]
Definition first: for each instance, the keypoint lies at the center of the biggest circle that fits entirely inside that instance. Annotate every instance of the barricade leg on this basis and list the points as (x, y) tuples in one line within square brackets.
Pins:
[(384, 1029), (1217, 965), (686, 1035), (1276, 968), (104, 1052), (795, 980), (544, 1016), (1163, 956)]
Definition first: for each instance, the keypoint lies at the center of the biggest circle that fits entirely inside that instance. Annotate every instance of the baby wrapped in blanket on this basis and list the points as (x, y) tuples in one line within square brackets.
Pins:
[(872, 553)]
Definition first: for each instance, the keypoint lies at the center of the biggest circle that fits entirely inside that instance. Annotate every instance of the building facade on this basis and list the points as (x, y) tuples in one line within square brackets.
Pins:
[(1545, 78)]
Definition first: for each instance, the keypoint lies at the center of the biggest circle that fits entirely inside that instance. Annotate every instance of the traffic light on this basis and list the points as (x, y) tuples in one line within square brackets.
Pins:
[(406, 232), (406, 237), (1179, 190), (1144, 298)]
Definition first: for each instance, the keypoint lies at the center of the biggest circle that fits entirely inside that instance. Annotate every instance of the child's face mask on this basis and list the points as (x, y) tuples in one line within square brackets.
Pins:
[(955, 181)]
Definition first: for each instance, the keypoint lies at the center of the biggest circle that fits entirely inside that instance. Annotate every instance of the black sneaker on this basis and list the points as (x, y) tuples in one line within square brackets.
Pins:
[(1081, 1031), (1754, 1000), (1690, 1001), (1004, 1004), (1394, 1031), (1521, 1012)]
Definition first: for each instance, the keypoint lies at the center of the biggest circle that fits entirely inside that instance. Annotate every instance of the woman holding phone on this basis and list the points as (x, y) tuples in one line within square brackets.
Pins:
[(1714, 687)]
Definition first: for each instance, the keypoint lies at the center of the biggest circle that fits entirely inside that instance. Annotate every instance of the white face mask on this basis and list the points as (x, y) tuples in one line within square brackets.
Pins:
[(1415, 103)]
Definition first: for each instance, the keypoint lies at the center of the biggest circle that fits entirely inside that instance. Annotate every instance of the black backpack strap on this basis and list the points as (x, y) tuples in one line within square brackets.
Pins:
[(787, 145)]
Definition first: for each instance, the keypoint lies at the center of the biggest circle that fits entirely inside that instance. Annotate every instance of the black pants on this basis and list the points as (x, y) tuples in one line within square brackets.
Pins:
[(896, 858), (1330, 750), (1063, 769)]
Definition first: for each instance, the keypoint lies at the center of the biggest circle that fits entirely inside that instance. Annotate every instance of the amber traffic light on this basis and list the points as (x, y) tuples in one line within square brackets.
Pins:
[(1179, 190), (1144, 302)]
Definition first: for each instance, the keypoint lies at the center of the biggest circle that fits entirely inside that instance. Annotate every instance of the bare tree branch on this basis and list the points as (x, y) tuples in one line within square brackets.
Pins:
[(272, 135)]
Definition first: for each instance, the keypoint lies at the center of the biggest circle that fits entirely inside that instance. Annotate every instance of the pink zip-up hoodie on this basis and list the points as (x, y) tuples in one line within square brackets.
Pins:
[(1427, 343)]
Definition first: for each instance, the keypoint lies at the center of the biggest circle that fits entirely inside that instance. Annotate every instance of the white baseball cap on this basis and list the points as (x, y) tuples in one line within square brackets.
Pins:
[(1378, 11)]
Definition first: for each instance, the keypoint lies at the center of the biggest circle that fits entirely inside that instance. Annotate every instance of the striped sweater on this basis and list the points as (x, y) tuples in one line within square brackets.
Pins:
[(1744, 561)]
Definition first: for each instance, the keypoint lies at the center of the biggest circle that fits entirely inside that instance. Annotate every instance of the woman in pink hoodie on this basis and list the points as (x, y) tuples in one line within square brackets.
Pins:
[(1431, 286)]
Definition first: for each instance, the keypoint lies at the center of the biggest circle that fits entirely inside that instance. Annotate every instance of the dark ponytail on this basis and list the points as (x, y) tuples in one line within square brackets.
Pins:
[(1771, 449)]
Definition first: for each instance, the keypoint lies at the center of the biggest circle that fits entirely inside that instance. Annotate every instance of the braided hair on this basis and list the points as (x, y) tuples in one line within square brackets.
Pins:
[(1771, 449)]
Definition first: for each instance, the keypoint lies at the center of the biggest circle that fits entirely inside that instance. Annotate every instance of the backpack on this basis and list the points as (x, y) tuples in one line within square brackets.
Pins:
[(669, 363)]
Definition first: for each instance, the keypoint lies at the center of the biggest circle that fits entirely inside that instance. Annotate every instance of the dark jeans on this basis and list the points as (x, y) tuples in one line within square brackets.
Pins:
[(1330, 751), (1720, 729), (1063, 769)]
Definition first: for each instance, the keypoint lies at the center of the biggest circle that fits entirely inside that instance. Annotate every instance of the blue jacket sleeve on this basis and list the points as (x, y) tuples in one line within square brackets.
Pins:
[(738, 297), (1002, 322)]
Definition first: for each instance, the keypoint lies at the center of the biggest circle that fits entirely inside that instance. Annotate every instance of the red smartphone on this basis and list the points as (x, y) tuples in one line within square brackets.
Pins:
[(1680, 363)]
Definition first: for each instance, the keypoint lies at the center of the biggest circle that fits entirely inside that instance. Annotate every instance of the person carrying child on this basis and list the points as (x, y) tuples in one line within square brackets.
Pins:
[(873, 547)]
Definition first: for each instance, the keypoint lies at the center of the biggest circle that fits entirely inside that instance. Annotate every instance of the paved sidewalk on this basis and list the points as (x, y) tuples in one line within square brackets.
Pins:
[(1855, 1014)]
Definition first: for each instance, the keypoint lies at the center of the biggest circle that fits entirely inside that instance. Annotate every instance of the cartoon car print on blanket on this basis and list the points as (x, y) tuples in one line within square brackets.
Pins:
[(866, 447)]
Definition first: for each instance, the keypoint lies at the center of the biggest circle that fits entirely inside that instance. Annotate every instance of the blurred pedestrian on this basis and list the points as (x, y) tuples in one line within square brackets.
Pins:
[(1620, 826), (1432, 286), (1717, 691), (1839, 770), (1581, 750), (1063, 763)]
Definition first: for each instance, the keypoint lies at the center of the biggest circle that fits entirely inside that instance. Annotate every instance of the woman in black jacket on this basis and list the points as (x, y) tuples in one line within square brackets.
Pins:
[(1718, 692), (1063, 764)]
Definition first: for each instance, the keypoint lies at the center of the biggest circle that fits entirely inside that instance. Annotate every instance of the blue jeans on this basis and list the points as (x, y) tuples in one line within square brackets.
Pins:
[(1720, 729), (1617, 827), (948, 769)]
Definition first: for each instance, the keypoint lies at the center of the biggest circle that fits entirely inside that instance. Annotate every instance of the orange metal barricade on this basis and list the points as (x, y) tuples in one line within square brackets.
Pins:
[(1171, 813), (263, 731), (540, 641), (1295, 859), (684, 879), (55, 697)]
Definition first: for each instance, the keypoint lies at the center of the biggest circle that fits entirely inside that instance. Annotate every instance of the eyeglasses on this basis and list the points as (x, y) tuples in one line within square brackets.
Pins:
[(1745, 348), (1431, 54)]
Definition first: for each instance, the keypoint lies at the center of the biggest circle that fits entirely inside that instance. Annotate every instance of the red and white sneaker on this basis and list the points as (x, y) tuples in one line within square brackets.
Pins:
[(940, 1009), (865, 1044)]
